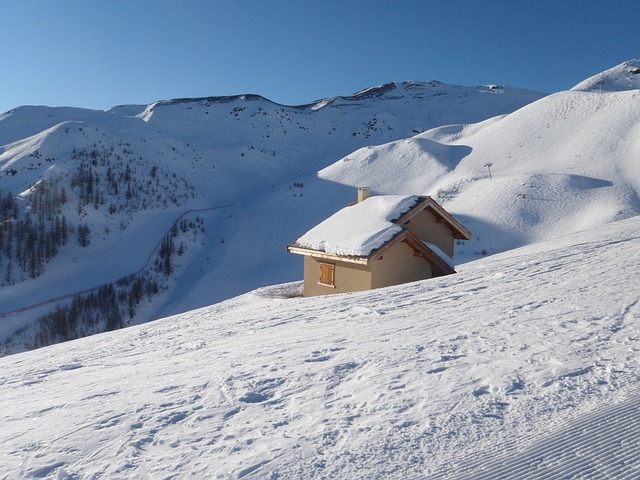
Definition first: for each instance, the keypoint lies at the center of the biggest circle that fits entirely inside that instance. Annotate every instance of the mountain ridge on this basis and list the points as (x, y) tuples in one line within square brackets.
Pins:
[(625, 76)]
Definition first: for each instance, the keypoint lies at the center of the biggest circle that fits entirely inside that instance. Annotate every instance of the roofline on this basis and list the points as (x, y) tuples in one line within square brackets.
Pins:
[(432, 257), (424, 202), (362, 260), (293, 248), (460, 232), (404, 236)]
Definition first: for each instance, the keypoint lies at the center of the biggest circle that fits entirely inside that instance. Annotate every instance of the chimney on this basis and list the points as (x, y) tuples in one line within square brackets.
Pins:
[(363, 193)]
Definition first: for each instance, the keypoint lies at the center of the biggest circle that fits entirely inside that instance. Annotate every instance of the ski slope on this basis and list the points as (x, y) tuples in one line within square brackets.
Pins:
[(513, 368), (600, 444)]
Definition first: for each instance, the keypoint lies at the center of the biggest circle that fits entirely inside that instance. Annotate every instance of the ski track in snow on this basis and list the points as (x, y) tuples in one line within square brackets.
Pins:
[(476, 375), (602, 444)]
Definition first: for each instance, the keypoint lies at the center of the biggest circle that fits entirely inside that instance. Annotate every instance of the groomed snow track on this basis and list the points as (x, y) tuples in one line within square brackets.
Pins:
[(600, 445)]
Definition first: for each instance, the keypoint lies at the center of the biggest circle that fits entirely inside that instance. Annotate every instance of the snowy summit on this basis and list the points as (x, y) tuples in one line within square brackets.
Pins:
[(623, 77)]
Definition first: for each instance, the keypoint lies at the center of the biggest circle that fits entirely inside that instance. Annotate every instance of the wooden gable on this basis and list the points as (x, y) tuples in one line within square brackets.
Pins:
[(459, 231)]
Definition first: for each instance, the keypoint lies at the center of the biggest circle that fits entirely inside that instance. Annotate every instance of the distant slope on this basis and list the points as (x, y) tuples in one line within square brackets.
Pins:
[(565, 163), (484, 371), (625, 76), (131, 171)]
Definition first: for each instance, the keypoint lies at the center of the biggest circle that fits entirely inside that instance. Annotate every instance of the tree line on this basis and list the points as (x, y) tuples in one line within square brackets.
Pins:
[(33, 228), (110, 307)]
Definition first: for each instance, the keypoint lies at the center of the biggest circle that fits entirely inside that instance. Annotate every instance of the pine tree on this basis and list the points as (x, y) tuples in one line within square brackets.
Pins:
[(65, 231), (8, 275), (83, 234), (168, 265)]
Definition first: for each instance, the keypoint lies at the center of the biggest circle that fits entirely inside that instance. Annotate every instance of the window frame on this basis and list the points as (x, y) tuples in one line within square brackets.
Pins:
[(327, 268)]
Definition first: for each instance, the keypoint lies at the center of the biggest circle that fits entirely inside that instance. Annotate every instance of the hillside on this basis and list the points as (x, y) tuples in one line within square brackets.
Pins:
[(521, 366), (92, 197), (565, 163), (625, 76), (245, 176)]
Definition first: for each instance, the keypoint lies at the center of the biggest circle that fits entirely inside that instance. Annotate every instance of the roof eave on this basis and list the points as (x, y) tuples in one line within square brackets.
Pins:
[(293, 248)]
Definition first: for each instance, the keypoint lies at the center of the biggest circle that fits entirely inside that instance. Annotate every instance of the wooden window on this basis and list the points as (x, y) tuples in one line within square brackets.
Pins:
[(327, 274)]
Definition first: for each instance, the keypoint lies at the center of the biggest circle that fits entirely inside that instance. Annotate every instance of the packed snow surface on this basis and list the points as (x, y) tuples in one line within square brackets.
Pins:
[(359, 229), (524, 365)]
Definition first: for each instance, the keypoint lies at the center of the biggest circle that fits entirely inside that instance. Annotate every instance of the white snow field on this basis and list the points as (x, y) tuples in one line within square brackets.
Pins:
[(561, 164), (565, 163), (558, 164), (244, 153), (523, 365)]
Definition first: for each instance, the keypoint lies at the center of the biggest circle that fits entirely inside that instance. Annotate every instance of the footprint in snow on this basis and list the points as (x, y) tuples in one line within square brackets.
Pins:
[(436, 370), (481, 391), (317, 357), (254, 397)]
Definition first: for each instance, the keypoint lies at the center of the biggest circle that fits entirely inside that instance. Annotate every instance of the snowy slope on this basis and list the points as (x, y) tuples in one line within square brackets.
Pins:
[(561, 164), (221, 156), (565, 163), (514, 368), (625, 76)]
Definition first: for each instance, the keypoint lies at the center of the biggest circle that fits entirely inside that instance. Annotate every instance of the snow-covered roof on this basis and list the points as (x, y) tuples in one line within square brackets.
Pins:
[(360, 229)]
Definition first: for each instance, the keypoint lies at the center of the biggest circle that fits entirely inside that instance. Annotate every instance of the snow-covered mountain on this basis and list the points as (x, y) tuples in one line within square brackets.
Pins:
[(565, 163), (246, 176), (625, 76), (99, 192), (522, 366)]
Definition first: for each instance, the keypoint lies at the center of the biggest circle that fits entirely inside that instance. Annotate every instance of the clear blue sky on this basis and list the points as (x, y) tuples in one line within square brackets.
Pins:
[(97, 54)]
